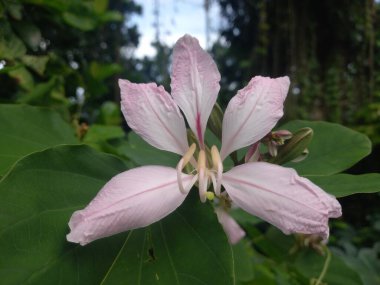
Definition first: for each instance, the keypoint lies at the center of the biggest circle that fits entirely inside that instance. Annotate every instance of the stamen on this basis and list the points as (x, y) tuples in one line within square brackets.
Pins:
[(218, 166), (179, 176), (181, 165), (201, 160), (202, 185), (189, 154)]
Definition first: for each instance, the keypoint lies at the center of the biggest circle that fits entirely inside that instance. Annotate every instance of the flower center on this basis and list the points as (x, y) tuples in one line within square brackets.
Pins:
[(204, 174)]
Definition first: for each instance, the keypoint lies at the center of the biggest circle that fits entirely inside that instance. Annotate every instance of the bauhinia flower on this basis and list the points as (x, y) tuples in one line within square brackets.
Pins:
[(139, 197)]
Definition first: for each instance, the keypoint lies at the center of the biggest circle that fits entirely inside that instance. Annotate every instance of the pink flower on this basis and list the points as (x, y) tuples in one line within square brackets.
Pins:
[(141, 196)]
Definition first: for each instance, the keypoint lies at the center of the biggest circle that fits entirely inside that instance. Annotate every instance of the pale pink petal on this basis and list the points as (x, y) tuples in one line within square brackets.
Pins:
[(130, 200), (151, 112), (253, 112), (194, 82), (232, 229), (281, 197)]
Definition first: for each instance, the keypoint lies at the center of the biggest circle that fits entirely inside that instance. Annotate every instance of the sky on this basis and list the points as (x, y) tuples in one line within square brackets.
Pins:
[(176, 17)]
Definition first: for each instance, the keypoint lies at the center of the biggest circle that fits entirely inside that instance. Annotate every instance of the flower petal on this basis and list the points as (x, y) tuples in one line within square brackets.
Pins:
[(194, 82), (232, 229), (253, 112), (129, 201), (281, 197), (151, 112)]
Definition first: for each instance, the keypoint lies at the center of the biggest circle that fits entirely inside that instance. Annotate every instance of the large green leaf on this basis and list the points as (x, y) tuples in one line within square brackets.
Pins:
[(143, 153), (37, 199), (26, 129), (333, 149), (341, 185)]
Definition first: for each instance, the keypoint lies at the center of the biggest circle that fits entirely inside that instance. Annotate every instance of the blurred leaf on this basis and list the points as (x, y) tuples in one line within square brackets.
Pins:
[(242, 217), (60, 5), (100, 6), (110, 114), (26, 129), (243, 254), (14, 8), (8, 69), (112, 16), (310, 264), (37, 63), (40, 92), (23, 77), (98, 133), (80, 21), (341, 185), (29, 33), (333, 149), (142, 153), (101, 71), (366, 263), (38, 198), (11, 46)]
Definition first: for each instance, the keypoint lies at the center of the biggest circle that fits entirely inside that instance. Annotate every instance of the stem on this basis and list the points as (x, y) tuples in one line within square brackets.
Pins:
[(325, 266)]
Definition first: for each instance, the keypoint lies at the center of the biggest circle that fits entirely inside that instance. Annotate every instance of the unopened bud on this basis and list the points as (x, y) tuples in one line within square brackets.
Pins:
[(295, 147), (215, 121)]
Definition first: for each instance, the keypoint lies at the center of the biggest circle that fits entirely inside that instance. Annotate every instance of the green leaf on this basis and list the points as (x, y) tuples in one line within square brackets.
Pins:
[(79, 21), (60, 5), (100, 6), (110, 114), (14, 8), (39, 92), (101, 133), (23, 77), (37, 63), (243, 254), (42, 191), (143, 153), (29, 33), (26, 129), (341, 185), (244, 218), (333, 149), (11, 46), (366, 263), (111, 16), (101, 71)]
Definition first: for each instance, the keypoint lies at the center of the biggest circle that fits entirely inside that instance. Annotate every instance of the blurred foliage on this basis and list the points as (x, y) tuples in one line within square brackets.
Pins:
[(327, 47), (63, 53)]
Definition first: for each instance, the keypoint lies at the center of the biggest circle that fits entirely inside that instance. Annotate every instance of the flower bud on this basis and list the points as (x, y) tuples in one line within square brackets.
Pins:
[(295, 147)]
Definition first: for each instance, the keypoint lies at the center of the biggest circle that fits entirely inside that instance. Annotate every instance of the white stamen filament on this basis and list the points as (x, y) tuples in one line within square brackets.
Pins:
[(181, 165), (204, 174)]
